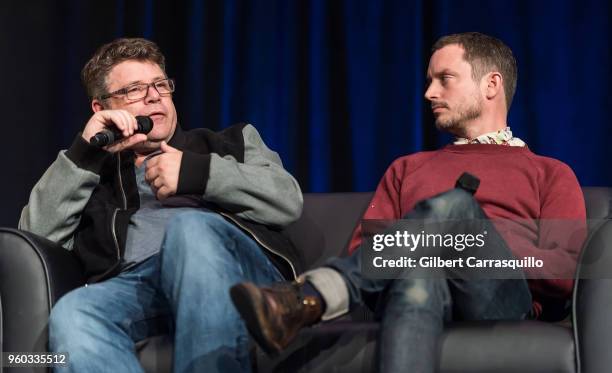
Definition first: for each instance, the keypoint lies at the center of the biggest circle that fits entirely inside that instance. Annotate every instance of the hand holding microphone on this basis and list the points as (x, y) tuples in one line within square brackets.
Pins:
[(110, 135), (116, 130)]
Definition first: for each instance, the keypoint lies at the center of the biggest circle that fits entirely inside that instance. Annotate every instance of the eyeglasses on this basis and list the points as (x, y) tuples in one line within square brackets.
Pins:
[(139, 91)]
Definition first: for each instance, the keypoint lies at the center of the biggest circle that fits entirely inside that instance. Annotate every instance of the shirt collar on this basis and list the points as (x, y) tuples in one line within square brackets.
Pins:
[(501, 137)]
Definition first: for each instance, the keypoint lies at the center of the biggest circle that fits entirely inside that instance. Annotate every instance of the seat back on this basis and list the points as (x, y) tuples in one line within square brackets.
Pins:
[(598, 201), (326, 224)]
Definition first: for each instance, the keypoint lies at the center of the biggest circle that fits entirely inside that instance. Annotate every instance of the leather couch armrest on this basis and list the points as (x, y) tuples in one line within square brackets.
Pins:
[(34, 274), (592, 303)]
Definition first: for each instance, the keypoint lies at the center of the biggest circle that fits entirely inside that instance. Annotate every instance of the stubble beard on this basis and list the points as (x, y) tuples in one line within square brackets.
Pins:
[(456, 123)]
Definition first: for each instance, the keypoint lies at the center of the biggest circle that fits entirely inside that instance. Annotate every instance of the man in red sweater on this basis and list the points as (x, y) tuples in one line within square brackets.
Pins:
[(472, 78)]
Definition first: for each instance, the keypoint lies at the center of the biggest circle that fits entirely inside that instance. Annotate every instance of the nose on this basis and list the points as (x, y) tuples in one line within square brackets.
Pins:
[(152, 94), (431, 93)]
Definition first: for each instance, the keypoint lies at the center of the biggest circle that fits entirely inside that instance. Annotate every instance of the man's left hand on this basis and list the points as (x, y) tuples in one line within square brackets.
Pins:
[(163, 171)]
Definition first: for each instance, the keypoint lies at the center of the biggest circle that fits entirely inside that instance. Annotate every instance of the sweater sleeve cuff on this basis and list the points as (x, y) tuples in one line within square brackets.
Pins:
[(87, 156), (194, 173)]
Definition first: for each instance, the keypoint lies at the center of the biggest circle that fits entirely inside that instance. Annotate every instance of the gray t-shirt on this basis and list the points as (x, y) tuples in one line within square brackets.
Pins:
[(148, 225)]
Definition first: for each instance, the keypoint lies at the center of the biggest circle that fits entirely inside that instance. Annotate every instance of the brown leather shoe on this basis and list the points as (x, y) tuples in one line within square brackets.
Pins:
[(275, 314)]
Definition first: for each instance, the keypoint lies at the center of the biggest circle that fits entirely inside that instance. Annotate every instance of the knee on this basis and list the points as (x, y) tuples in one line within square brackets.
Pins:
[(420, 293), (453, 203), (62, 314), (70, 322), (456, 198)]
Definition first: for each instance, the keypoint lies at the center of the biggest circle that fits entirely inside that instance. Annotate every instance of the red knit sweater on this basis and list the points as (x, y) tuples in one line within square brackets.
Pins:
[(515, 184)]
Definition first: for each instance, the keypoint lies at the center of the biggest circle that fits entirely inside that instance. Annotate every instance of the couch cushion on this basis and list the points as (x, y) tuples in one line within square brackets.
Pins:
[(526, 346), (501, 347), (155, 354)]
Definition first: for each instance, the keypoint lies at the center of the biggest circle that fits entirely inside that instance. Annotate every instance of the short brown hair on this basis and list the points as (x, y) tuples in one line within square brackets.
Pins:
[(485, 54), (109, 55)]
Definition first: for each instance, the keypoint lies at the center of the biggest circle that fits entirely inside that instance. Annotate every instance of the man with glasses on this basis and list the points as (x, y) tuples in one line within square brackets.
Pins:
[(163, 223)]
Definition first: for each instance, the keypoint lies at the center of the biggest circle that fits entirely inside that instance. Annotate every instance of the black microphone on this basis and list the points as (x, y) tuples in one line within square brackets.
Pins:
[(112, 134), (468, 182)]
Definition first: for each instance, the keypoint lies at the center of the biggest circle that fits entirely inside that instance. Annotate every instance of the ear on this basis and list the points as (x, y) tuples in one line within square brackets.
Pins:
[(494, 85), (96, 105)]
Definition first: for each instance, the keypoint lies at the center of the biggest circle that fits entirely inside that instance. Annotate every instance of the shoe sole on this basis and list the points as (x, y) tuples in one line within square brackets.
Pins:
[(248, 301)]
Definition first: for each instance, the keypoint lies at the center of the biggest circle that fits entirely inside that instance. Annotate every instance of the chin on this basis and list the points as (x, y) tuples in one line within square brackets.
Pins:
[(160, 132), (454, 128), (156, 136), (443, 125)]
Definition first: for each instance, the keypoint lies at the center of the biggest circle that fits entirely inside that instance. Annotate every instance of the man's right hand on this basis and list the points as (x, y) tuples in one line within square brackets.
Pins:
[(121, 120)]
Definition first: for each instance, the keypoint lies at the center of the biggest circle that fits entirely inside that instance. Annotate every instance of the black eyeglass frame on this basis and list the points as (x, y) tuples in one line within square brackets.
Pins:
[(124, 90)]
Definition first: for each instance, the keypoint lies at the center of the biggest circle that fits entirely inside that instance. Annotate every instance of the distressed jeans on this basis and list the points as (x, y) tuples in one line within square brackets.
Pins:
[(413, 309), (183, 290)]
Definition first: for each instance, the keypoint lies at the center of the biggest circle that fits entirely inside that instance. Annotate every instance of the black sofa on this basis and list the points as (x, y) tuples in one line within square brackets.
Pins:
[(35, 273)]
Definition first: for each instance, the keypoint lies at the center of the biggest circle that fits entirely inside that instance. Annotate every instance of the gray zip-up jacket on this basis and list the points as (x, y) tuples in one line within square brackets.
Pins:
[(85, 199)]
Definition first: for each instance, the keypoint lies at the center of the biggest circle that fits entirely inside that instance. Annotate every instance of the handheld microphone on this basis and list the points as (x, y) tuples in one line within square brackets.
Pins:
[(468, 182), (110, 135)]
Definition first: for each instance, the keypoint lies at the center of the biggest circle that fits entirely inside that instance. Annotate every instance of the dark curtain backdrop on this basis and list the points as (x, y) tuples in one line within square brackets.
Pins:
[(336, 87)]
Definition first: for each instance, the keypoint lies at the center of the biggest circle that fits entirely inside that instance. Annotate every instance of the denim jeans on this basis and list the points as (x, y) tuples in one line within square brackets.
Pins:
[(182, 290), (413, 309)]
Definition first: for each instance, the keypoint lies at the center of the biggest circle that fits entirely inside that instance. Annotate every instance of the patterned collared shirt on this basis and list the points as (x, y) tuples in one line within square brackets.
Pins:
[(501, 137)]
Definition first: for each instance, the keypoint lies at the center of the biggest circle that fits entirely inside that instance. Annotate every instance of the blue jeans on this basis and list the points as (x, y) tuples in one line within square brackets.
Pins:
[(184, 289), (414, 309)]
